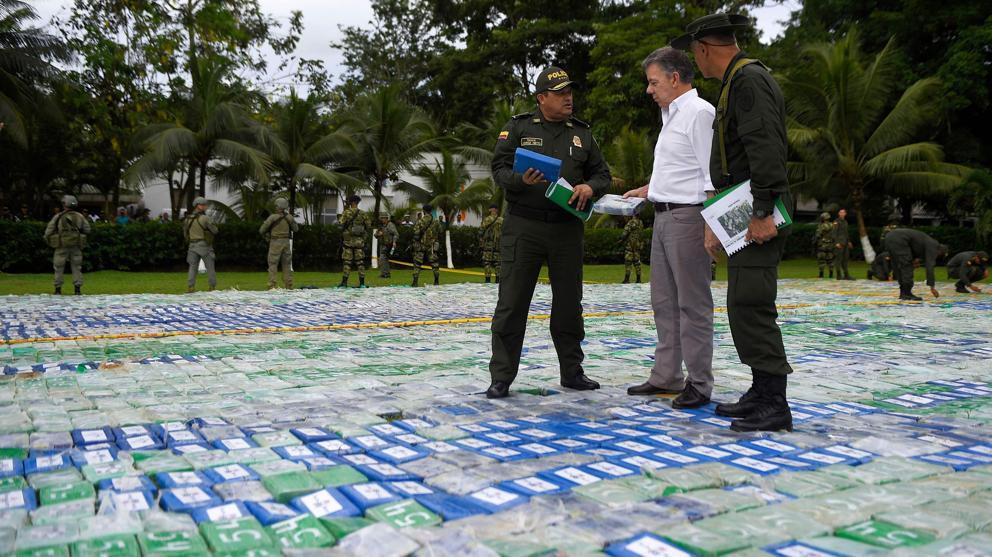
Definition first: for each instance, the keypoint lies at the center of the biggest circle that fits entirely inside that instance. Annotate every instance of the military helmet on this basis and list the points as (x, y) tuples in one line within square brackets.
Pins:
[(428, 208), (282, 204), (383, 216), (69, 200), (199, 201), (824, 216)]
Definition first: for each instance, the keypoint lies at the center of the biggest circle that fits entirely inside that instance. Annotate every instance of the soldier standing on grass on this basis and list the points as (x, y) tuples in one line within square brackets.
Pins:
[(842, 246), (387, 235), (66, 232), (632, 242), (199, 233), (425, 245), (355, 226), (489, 242), (278, 229), (824, 241)]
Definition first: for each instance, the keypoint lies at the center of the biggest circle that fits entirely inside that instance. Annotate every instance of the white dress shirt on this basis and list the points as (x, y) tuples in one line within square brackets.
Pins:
[(681, 172)]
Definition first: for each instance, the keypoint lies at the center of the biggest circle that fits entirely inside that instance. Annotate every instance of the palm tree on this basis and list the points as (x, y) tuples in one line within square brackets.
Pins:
[(305, 153), (212, 135), (447, 186), (851, 137), (974, 197), (25, 55), (391, 136), (630, 156), (476, 142)]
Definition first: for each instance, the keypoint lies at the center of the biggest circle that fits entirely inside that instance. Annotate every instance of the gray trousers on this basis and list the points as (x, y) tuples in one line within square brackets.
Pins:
[(74, 256), (682, 301), (197, 251), (280, 253)]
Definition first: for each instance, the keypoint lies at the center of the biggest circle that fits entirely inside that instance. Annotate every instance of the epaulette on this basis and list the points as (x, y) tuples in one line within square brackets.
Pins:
[(522, 115), (578, 122)]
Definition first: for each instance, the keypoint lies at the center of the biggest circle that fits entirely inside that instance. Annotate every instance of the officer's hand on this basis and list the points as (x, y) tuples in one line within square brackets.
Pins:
[(760, 231), (581, 194), (838, 246), (639, 192), (533, 177), (975, 289), (712, 243), (933, 290)]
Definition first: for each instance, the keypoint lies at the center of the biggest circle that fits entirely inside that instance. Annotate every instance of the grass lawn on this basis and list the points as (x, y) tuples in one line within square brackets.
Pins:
[(120, 282)]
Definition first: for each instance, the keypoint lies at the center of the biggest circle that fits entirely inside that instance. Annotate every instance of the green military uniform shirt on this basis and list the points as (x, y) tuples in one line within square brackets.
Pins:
[(425, 232), (825, 236), (355, 226), (67, 229), (631, 237), (199, 228), (570, 141), (487, 232), (279, 226)]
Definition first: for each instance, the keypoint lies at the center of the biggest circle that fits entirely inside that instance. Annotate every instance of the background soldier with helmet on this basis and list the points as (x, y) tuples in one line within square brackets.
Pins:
[(278, 229), (66, 232)]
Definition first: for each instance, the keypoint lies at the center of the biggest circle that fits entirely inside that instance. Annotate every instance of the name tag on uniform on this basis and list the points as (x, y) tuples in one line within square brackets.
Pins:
[(531, 142)]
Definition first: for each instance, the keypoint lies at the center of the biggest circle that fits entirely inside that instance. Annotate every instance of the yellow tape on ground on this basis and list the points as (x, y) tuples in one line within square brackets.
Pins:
[(475, 273), (458, 321)]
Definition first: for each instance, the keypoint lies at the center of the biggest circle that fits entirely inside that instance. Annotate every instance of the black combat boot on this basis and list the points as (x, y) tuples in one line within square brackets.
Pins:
[(488, 280), (638, 278), (361, 282), (416, 281), (626, 278), (58, 290), (437, 278), (344, 282), (821, 273), (831, 273), (79, 290), (959, 287), (749, 403), (774, 413)]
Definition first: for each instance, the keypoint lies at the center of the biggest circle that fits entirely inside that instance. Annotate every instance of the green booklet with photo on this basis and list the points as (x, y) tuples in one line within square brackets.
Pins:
[(560, 192), (729, 214)]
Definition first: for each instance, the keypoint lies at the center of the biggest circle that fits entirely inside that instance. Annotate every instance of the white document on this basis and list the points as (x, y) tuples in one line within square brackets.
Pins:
[(728, 217)]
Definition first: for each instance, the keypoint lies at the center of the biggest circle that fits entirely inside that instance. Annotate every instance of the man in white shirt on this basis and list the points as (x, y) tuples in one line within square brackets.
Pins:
[(680, 265)]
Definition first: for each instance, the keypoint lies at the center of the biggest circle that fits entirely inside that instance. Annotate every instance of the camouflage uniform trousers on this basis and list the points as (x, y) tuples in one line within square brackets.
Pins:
[(353, 256), (421, 253), (825, 259), (200, 250), (280, 253), (74, 255), (631, 259), (385, 252), (490, 261)]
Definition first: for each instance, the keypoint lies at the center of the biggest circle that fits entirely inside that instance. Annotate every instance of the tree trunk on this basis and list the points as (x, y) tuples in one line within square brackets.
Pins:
[(857, 197), (190, 187), (377, 191), (203, 179)]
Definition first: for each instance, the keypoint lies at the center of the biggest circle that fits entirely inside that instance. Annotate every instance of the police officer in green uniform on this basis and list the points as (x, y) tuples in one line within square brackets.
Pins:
[(66, 232), (199, 232), (425, 245), (906, 245), (824, 241), (387, 235), (278, 229), (489, 242), (842, 246), (355, 226), (632, 241), (968, 267), (538, 232), (749, 142)]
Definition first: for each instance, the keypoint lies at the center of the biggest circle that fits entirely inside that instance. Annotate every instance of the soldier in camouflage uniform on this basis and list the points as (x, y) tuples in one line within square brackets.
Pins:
[(842, 246), (355, 226), (387, 235), (66, 232), (278, 229), (632, 241), (425, 246), (199, 233), (489, 241), (824, 241)]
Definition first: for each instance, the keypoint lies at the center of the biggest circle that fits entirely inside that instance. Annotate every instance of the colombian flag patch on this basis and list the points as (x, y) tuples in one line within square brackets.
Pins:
[(504, 135)]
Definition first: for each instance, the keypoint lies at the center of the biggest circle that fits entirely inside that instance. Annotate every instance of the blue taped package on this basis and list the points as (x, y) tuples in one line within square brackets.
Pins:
[(643, 545), (502, 425), (318, 463), (210, 422), (182, 437), (524, 159), (639, 462), (46, 463), (124, 432), (189, 448), (569, 475), (11, 467), (792, 464), (534, 485), (131, 501), (386, 430), (369, 442), (329, 503), (383, 472), (182, 479), (706, 452), (227, 511), (295, 452), (412, 425), (268, 512), (128, 483), (675, 458), (604, 453), (18, 499), (409, 439), (756, 465), (140, 443), (368, 495), (609, 470), (409, 488), (450, 507), (92, 436), (230, 473), (234, 444), (501, 438), (185, 499), (538, 449), (312, 434), (504, 454), (398, 454), (633, 446), (495, 500), (334, 447), (99, 456), (770, 446)]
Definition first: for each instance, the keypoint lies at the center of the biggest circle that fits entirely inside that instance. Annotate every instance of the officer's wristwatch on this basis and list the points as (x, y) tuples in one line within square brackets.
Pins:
[(761, 213)]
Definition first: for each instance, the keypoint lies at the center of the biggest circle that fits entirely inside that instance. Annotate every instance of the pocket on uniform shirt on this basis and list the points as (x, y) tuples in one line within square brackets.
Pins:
[(580, 155)]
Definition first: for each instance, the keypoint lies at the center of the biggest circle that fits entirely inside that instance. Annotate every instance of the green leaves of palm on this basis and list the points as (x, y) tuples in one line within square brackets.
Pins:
[(444, 181)]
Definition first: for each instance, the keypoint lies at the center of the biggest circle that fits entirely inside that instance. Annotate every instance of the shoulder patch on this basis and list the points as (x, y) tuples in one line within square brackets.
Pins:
[(579, 122), (504, 135)]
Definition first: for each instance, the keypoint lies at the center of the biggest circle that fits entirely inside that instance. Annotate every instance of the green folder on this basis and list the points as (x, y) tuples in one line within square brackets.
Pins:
[(560, 192)]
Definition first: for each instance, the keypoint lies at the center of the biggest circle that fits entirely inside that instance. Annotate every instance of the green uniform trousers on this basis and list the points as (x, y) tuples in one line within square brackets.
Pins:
[(751, 291), (280, 253), (525, 247), (353, 257), (490, 260), (825, 259), (841, 257), (385, 252), (631, 259), (428, 254), (74, 255), (200, 250)]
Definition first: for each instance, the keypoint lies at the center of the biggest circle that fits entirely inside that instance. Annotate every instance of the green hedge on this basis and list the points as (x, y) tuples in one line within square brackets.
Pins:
[(154, 246)]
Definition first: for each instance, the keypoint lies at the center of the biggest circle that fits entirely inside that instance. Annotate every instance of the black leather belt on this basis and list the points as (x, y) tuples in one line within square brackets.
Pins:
[(539, 215), (662, 206)]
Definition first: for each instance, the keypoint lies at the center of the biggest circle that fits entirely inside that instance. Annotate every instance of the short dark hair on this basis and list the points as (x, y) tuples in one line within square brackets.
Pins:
[(671, 60)]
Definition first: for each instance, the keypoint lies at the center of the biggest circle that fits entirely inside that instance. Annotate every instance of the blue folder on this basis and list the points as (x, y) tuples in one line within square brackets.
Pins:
[(550, 167)]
